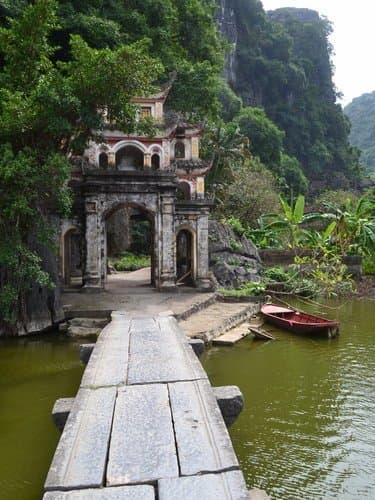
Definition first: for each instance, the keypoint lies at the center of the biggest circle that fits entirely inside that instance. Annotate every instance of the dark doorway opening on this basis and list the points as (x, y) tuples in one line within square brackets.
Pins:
[(185, 257), (72, 256)]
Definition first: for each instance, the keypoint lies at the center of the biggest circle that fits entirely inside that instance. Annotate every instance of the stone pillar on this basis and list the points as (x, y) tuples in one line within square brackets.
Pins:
[(203, 280), (167, 236), (147, 161), (92, 281), (111, 159)]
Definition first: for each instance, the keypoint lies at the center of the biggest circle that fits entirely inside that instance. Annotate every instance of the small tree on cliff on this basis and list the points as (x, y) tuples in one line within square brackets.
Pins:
[(48, 112)]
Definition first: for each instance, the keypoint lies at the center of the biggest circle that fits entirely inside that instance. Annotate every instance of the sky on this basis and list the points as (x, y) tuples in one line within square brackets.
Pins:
[(353, 41)]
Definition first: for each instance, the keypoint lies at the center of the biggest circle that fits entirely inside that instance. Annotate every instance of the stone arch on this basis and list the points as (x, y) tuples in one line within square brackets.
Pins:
[(129, 155), (186, 255), (147, 208)]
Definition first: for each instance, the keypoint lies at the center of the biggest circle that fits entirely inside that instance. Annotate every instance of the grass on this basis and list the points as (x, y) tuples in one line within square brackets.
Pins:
[(131, 262)]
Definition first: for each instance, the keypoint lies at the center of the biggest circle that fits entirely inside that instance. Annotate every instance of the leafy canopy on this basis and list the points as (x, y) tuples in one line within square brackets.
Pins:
[(49, 110)]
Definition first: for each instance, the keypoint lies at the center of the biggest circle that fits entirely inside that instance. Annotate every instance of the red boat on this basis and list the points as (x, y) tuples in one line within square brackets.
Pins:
[(298, 321)]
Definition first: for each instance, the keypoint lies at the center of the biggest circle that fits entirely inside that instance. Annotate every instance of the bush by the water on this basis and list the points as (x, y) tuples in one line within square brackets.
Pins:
[(132, 262)]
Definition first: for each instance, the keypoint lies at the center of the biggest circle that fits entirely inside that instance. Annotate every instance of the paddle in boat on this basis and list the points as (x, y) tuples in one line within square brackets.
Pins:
[(298, 321)]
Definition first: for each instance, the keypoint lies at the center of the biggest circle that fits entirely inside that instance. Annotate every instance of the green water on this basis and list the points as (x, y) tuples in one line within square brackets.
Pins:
[(34, 372), (308, 428)]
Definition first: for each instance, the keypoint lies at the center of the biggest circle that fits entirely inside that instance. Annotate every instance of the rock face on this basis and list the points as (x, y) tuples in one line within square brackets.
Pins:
[(227, 23), (234, 260), (43, 306)]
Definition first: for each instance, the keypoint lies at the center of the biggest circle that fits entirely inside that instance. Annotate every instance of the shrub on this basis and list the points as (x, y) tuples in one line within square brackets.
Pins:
[(132, 262)]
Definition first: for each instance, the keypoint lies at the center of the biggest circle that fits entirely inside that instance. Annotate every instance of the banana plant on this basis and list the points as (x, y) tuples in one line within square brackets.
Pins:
[(291, 220)]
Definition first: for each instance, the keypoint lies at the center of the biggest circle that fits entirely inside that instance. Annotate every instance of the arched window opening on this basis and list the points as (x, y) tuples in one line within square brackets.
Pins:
[(155, 162), (179, 150), (103, 161), (183, 191), (129, 158)]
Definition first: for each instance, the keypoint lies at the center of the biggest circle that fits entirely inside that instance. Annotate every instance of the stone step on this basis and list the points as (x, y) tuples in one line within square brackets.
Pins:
[(143, 492), (225, 486), (82, 331), (216, 319), (89, 322)]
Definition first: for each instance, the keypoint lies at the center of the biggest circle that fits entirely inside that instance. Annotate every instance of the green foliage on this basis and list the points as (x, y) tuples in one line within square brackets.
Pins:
[(252, 191), (249, 289), (361, 113), (291, 177), (231, 104), (291, 220), (368, 263), (265, 139), (48, 111), (132, 262), (354, 225), (283, 64)]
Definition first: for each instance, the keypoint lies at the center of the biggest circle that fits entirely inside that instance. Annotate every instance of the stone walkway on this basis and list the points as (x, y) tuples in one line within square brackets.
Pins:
[(133, 293), (145, 423)]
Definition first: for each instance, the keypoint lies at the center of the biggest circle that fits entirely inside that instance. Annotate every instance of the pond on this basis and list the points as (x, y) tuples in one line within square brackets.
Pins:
[(34, 372), (308, 427), (307, 431)]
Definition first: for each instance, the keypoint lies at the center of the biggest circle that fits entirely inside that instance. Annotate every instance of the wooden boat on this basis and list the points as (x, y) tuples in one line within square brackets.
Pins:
[(298, 321)]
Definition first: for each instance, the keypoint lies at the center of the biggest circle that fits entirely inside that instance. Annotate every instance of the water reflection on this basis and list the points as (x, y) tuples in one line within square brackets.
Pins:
[(34, 372), (308, 429)]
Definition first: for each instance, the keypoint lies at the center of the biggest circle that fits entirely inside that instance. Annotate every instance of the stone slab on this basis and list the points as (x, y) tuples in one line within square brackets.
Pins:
[(108, 362), (120, 493), (142, 445), (85, 351), (203, 442), (80, 457), (198, 346), (61, 410), (224, 486), (159, 352), (230, 401), (233, 336)]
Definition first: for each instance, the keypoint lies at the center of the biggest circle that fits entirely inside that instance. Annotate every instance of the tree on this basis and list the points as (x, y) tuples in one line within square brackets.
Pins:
[(252, 192), (48, 112), (265, 139)]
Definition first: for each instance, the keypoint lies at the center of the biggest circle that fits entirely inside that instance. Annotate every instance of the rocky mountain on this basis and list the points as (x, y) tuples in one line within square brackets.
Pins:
[(361, 113), (281, 61)]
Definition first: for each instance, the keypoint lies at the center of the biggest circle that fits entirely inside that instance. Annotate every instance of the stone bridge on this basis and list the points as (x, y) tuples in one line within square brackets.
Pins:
[(146, 423)]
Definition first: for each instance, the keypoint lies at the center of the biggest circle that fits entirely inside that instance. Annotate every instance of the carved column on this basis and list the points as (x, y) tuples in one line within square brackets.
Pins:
[(167, 235), (92, 281), (203, 280)]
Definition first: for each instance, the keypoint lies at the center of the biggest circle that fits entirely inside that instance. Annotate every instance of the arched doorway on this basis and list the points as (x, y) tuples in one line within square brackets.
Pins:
[(185, 257), (130, 243), (129, 158), (72, 258)]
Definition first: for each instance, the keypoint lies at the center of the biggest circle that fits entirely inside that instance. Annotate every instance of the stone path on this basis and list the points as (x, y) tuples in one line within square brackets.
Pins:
[(132, 292), (145, 423)]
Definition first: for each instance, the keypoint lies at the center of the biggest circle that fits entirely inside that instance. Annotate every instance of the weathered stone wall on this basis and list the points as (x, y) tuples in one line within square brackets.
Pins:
[(234, 260), (43, 305)]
